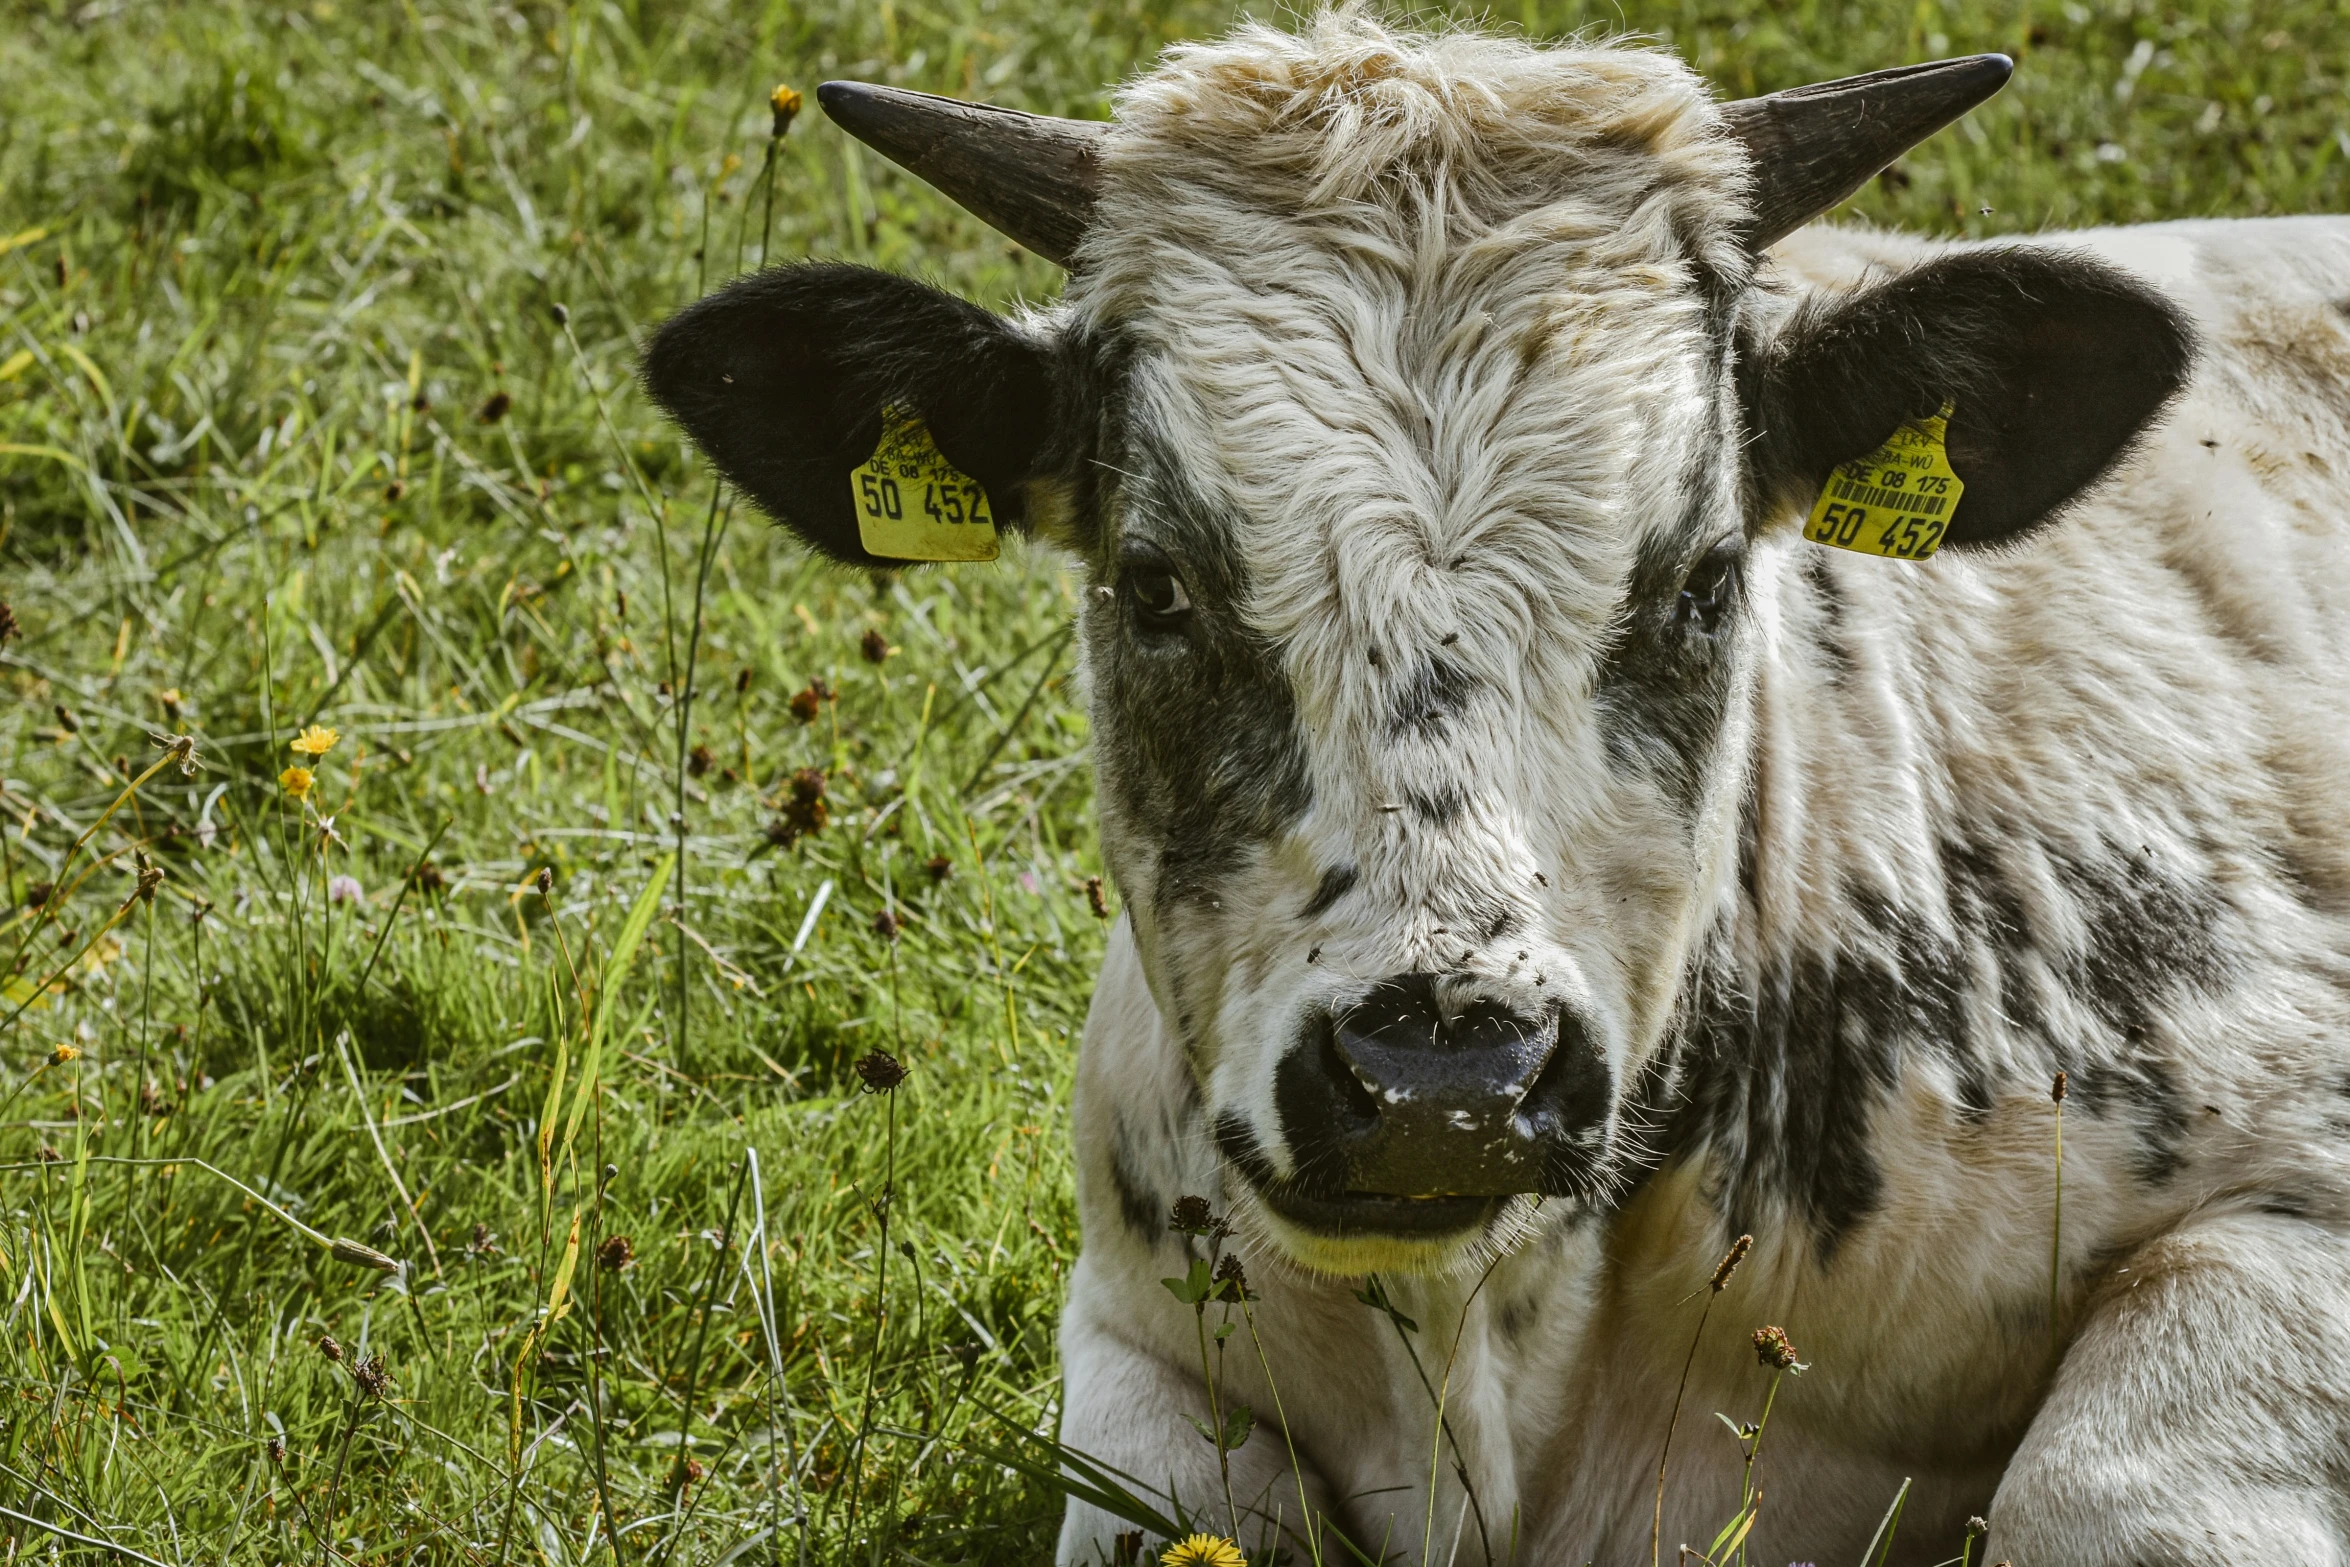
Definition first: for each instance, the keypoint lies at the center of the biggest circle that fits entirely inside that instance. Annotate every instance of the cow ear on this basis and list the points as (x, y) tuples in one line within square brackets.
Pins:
[(2052, 364), (782, 378)]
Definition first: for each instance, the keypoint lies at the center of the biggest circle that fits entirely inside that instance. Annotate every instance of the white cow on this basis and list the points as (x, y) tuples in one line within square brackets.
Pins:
[(1544, 864)]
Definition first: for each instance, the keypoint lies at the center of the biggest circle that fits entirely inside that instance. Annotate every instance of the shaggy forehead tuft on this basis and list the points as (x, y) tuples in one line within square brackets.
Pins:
[(1349, 111)]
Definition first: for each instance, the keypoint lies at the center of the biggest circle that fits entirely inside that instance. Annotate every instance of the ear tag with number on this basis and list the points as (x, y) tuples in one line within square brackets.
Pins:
[(912, 504), (1897, 501)]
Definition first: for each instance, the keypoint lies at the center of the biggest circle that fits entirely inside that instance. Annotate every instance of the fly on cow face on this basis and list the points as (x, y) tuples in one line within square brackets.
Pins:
[(1419, 472)]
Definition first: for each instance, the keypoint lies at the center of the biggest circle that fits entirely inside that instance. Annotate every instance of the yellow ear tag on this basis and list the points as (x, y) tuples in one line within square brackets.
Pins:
[(912, 504), (1896, 501)]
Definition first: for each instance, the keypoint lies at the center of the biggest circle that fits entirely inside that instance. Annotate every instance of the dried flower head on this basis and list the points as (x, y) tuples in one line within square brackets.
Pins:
[(617, 1254), (427, 877), (63, 1054), (395, 491), (544, 881), (9, 629), (1190, 1216), (1730, 1260), (561, 312), (315, 741), (277, 1451), (296, 781), (807, 703), (690, 1472), (373, 1376), (742, 680), (150, 877), (805, 812), (48, 1154), (699, 761), (65, 719), (1976, 1528), (1774, 1351), (496, 407), (784, 104), (1094, 898), (880, 1072), (1233, 1277), (938, 868), (885, 925), (182, 749), (344, 889), (483, 1243), (2062, 1085), (331, 1347), (875, 647), (1203, 1550), (38, 893)]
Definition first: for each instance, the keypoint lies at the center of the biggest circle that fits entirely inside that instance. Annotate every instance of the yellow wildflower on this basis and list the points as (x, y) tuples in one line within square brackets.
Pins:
[(1204, 1550), (316, 740), (297, 781), (63, 1054)]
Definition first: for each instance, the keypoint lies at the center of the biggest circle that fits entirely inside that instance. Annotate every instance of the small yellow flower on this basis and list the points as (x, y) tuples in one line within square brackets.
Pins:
[(297, 781), (316, 740), (1204, 1550), (63, 1054)]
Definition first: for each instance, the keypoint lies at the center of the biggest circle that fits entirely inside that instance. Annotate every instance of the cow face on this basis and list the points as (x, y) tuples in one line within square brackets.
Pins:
[(1425, 439)]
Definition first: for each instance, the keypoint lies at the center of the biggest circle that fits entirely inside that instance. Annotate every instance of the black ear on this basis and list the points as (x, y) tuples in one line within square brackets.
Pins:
[(2052, 364), (781, 379)]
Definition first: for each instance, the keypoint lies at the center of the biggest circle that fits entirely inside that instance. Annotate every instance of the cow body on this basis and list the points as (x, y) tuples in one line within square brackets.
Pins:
[(2079, 808), (1542, 867)]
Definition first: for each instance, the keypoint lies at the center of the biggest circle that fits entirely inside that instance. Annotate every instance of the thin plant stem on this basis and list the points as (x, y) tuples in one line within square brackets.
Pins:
[(889, 1184), (693, 1372), (1305, 1508), (1754, 1453), (1720, 1281), (1199, 1317), (1436, 1445), (2056, 1219)]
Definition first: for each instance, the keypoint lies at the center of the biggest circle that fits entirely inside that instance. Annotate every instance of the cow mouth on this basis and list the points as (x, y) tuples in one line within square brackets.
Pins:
[(1378, 1213), (1337, 1213)]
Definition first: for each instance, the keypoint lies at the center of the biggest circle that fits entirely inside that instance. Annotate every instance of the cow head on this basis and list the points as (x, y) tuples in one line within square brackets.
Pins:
[(1424, 432)]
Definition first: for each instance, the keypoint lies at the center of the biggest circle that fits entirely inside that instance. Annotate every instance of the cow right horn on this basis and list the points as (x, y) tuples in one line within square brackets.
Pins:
[(1030, 176), (1813, 146)]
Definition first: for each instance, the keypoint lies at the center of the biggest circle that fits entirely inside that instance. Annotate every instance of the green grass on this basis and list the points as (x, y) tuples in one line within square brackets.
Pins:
[(268, 275)]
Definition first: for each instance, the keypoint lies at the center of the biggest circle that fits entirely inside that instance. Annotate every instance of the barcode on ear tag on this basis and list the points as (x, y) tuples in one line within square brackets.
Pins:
[(912, 504), (1897, 501)]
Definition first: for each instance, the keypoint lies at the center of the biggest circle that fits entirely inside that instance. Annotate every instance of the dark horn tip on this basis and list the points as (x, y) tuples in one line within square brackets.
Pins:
[(1813, 146), (1031, 176)]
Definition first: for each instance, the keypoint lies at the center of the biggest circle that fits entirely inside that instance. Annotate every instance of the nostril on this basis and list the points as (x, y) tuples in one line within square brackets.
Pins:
[(1353, 1093)]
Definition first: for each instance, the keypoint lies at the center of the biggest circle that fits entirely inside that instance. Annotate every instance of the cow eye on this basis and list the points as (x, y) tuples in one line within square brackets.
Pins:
[(1705, 595), (1159, 599)]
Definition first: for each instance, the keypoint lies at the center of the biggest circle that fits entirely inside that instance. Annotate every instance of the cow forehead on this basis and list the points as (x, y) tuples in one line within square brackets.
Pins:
[(1427, 318)]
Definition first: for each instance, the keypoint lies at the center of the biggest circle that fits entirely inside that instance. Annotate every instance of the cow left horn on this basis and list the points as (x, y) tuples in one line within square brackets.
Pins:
[(1030, 176), (1813, 146)]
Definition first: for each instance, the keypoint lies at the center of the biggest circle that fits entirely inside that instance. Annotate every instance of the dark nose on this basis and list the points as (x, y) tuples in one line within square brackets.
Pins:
[(1405, 1095)]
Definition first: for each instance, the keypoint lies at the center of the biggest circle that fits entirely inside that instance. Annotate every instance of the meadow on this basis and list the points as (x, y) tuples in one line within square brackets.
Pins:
[(458, 1150)]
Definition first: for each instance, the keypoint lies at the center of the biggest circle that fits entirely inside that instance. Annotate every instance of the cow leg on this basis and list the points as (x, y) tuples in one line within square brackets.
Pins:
[(2201, 1415), (1125, 1408)]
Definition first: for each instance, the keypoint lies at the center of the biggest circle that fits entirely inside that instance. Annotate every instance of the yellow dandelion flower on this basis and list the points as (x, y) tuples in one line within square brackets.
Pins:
[(1204, 1550), (316, 740), (296, 781), (63, 1054)]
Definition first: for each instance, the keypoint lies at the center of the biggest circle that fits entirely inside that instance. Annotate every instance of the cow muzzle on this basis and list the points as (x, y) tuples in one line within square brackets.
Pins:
[(1417, 1108)]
